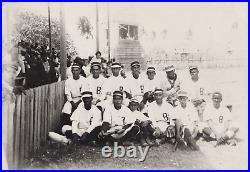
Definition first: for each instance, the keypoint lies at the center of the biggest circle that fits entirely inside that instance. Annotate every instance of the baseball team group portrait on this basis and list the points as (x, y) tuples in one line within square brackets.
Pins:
[(133, 85)]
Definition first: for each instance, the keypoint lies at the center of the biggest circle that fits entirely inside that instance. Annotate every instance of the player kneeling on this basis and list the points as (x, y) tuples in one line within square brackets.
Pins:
[(86, 121), (118, 126), (188, 125), (219, 121), (143, 122)]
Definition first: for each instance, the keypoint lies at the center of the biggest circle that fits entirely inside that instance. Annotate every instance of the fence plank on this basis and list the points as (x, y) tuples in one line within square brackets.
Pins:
[(17, 123), (31, 119), (45, 111), (34, 116), (22, 132), (27, 125), (42, 114), (39, 118)]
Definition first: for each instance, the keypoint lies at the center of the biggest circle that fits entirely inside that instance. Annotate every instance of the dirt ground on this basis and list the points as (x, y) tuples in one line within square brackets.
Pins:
[(232, 82)]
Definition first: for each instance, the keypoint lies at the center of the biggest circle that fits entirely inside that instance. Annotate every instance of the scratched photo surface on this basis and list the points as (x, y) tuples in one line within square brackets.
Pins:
[(124, 85)]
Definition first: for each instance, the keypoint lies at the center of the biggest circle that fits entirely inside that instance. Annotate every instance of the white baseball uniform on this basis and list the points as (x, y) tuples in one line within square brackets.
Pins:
[(161, 115), (96, 86), (73, 89), (218, 116), (136, 86), (85, 120), (187, 115)]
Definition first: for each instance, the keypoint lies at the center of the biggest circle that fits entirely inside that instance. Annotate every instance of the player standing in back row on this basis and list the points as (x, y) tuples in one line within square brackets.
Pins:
[(136, 81)]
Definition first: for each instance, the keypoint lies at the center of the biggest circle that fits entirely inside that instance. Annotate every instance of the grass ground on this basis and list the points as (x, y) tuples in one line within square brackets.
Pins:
[(232, 82)]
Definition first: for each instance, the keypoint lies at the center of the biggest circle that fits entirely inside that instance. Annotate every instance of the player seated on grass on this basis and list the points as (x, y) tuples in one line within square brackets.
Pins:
[(163, 118), (142, 121), (188, 117), (118, 125), (219, 122), (86, 121)]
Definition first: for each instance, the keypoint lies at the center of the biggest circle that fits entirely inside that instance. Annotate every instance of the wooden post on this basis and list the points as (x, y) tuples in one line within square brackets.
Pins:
[(108, 32), (50, 48), (63, 56), (97, 27)]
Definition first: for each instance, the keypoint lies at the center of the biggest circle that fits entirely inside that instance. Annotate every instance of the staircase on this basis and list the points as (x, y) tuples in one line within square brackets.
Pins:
[(128, 51)]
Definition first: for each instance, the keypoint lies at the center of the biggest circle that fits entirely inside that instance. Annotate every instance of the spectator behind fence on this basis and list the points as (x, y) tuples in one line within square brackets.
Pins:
[(41, 67)]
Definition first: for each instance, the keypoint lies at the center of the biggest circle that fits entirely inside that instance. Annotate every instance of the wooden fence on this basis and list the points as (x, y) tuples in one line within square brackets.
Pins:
[(35, 114)]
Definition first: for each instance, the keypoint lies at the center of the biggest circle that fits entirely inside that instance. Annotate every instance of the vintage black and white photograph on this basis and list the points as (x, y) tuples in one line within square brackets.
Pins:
[(125, 85)]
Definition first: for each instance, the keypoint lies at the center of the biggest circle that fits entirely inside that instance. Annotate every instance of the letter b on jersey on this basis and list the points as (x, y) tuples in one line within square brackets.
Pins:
[(98, 90)]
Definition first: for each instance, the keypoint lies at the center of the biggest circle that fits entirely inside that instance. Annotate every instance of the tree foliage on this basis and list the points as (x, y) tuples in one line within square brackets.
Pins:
[(85, 27), (32, 28)]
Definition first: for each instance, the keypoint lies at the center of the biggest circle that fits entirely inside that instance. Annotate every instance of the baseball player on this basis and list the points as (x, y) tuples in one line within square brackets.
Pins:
[(198, 90), (188, 117), (163, 117), (219, 121), (116, 82), (96, 83), (151, 82), (73, 88), (143, 121), (86, 121), (136, 81), (118, 125), (171, 85)]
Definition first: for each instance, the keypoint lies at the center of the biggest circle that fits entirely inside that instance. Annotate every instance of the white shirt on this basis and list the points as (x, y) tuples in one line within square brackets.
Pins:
[(94, 59), (164, 112), (196, 90), (114, 83), (187, 115), (136, 86), (74, 88), (151, 85), (137, 115), (218, 116), (85, 119), (96, 86), (170, 86), (116, 117)]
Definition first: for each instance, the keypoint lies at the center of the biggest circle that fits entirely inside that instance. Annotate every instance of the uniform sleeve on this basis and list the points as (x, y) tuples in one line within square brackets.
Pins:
[(207, 114), (75, 126), (142, 117), (77, 113), (129, 118), (67, 90), (151, 115), (194, 113), (85, 85)]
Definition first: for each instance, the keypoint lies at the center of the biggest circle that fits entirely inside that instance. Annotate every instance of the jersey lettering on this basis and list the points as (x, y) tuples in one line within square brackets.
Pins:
[(98, 90), (90, 121), (166, 117), (201, 91), (221, 119), (142, 89)]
